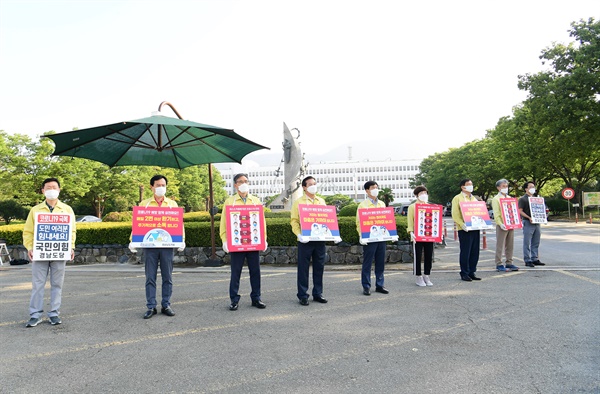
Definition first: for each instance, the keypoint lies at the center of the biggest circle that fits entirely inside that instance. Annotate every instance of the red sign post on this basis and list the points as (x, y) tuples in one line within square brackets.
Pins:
[(568, 193)]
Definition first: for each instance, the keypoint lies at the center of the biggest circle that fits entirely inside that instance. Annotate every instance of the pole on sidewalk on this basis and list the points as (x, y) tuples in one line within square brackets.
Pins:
[(484, 240)]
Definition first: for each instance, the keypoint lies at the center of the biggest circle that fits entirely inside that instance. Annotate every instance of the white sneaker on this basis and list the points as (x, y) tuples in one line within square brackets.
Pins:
[(427, 281), (420, 281)]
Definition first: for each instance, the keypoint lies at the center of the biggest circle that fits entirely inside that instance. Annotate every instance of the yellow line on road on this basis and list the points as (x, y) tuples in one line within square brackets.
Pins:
[(503, 275), (579, 277)]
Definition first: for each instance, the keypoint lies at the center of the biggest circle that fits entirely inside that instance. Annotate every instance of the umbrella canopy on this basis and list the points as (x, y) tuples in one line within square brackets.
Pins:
[(157, 141)]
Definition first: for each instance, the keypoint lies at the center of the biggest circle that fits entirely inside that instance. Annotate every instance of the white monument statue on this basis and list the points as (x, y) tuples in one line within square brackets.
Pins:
[(293, 171)]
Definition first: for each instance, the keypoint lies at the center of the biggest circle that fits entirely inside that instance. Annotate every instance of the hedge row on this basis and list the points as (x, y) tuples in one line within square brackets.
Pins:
[(187, 217), (279, 232)]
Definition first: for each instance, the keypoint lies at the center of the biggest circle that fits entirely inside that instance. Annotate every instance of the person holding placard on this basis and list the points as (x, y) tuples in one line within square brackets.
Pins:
[(242, 197), (531, 231), (420, 247), (504, 236), (371, 250), (468, 240), (41, 268), (153, 257), (307, 249)]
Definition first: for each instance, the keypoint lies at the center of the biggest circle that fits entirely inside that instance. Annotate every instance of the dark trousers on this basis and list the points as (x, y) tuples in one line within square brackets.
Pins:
[(314, 250), (152, 258), (237, 263), (373, 250), (421, 247), (469, 251)]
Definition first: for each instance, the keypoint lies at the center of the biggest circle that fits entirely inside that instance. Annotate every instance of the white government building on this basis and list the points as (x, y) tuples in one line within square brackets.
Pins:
[(343, 177)]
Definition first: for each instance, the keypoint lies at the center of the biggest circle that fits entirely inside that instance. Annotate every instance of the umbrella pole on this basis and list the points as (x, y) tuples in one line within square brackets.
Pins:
[(213, 261), (212, 215)]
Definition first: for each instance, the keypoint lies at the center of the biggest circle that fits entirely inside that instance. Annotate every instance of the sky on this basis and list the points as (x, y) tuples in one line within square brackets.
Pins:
[(392, 79)]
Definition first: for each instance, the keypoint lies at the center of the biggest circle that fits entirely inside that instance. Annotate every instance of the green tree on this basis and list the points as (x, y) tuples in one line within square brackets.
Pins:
[(386, 195), (442, 172), (194, 188), (516, 146), (24, 164), (564, 107), (339, 200), (11, 210)]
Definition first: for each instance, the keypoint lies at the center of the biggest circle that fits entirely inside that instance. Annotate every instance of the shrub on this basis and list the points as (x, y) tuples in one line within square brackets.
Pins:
[(348, 210), (118, 217), (280, 214), (202, 216), (12, 234), (279, 232), (556, 205)]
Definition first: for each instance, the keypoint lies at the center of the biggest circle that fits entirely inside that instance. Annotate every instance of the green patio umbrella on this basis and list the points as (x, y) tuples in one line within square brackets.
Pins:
[(157, 141)]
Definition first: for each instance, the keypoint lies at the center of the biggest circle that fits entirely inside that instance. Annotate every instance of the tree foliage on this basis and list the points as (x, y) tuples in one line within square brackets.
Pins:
[(339, 200), (11, 210), (91, 187), (386, 195), (552, 135)]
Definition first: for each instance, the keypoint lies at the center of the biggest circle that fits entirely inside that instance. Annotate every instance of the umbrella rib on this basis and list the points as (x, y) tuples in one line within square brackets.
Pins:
[(136, 143), (219, 150), (147, 146), (170, 144)]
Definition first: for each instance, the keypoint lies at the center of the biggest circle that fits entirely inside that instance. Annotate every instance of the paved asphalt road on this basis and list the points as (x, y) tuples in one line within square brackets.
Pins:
[(532, 331)]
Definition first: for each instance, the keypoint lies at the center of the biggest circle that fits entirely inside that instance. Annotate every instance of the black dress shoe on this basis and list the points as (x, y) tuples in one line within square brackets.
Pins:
[(473, 277), (537, 262), (233, 306), (167, 311), (366, 291), (304, 301), (466, 278), (531, 265), (259, 304), (320, 299), (149, 313), (382, 290)]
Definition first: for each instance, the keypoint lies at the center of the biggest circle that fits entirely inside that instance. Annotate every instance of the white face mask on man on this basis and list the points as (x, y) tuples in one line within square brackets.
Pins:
[(532, 190), (504, 190), (469, 188), (423, 197), (312, 189), (160, 191), (51, 194), (374, 192), (243, 188)]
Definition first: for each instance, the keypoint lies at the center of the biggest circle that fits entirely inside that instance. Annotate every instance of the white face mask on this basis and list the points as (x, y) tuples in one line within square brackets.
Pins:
[(312, 189), (374, 192), (160, 191), (424, 197), (532, 190), (504, 190), (243, 188), (51, 194), (469, 188)]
